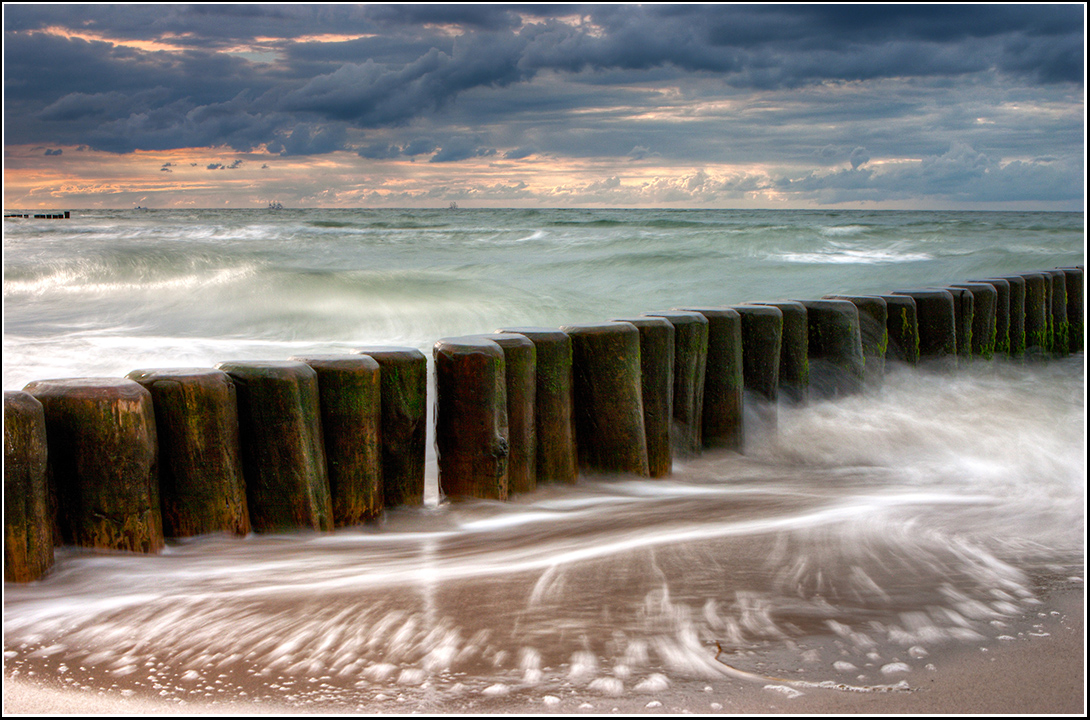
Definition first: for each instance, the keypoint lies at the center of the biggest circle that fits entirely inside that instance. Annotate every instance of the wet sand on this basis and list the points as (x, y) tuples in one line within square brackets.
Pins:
[(1039, 668)]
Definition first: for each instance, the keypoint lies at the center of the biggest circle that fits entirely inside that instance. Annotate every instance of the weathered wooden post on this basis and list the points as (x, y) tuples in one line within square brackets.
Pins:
[(1073, 278), (762, 335), (657, 375), (1016, 331), (608, 398), (985, 300), (201, 485), (404, 379), (902, 329), (963, 321), (794, 352), (937, 328), (28, 525), (873, 319), (283, 455), (350, 401), (103, 462), (520, 363), (1061, 328), (1037, 315), (836, 348), (1002, 314), (471, 436), (690, 363), (722, 414), (553, 404)]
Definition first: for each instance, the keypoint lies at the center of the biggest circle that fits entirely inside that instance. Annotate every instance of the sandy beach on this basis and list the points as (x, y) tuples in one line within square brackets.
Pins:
[(1037, 667)]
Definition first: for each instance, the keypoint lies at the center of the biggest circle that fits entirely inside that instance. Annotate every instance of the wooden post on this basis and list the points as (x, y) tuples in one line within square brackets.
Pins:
[(1061, 328), (28, 525), (794, 377), (902, 328), (520, 363), (690, 362), (103, 462), (349, 398), (1076, 311), (873, 332), (1016, 331), (471, 436), (762, 334), (985, 301), (404, 402), (657, 375), (1002, 315), (553, 404), (201, 485), (937, 328), (283, 455), (608, 399), (1037, 314), (836, 348)]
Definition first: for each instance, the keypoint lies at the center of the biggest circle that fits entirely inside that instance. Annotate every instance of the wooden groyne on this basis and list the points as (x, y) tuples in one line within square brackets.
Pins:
[(333, 440)]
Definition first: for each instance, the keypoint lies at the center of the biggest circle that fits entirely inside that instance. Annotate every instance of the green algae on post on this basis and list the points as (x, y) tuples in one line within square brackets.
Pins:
[(1037, 314), (608, 398), (349, 398), (283, 456), (835, 347), (657, 375), (102, 460), (936, 326), (553, 404), (690, 362), (1002, 334), (201, 485), (471, 436), (902, 329), (28, 524), (722, 422), (1076, 311), (520, 363), (1016, 330), (794, 374), (404, 380), (985, 302)]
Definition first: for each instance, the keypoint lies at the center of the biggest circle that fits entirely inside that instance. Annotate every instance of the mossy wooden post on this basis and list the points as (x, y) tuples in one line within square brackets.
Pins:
[(283, 455), (1061, 328), (985, 301), (762, 337), (28, 525), (657, 376), (836, 348), (553, 404), (610, 435), (963, 321), (404, 380), (794, 376), (873, 332), (520, 363), (349, 397), (722, 422), (1037, 314), (690, 363), (471, 436), (936, 325), (1076, 311), (1016, 331), (902, 329), (103, 462), (201, 485), (1002, 315)]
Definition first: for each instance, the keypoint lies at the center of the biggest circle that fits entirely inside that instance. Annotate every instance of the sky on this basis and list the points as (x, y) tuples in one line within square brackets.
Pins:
[(672, 106)]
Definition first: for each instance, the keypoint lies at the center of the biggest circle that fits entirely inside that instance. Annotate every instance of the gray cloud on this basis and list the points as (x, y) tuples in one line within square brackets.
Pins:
[(817, 86)]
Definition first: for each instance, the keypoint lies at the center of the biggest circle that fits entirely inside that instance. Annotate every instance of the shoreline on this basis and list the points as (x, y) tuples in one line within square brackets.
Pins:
[(1039, 669)]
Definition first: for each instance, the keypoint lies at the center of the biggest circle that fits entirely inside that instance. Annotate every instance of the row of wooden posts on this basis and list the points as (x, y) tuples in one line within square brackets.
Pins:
[(324, 441)]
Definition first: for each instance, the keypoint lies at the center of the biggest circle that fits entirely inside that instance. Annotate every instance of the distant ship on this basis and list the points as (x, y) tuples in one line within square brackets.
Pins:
[(275, 206), (453, 205)]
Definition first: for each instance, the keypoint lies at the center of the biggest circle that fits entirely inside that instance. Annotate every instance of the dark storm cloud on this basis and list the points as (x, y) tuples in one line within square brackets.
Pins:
[(120, 98)]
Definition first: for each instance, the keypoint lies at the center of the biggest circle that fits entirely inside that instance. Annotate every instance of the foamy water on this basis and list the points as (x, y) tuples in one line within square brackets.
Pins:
[(846, 550)]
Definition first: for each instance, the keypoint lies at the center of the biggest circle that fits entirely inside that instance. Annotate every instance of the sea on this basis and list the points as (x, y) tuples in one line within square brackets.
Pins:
[(846, 550)]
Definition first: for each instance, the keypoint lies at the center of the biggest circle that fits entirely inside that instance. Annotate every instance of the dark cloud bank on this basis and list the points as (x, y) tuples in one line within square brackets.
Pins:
[(924, 81)]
